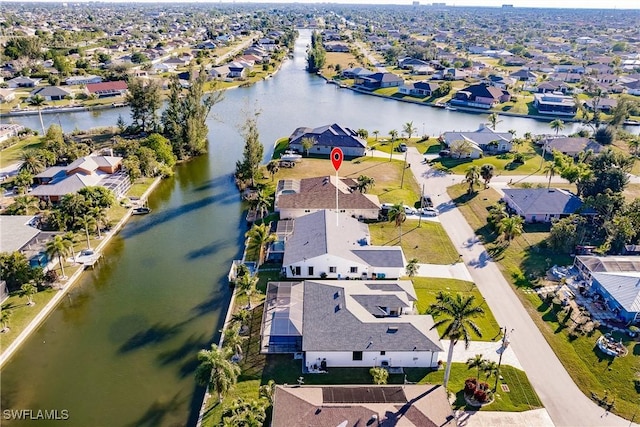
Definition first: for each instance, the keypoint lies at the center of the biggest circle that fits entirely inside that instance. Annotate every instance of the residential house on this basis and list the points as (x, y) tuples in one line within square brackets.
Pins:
[(9, 130), (421, 88), (20, 234), (524, 76), (82, 80), (107, 89), (22, 81), (378, 80), (220, 72), (352, 73), (298, 197), (58, 181), (51, 93), (568, 77), (603, 104), (553, 86), (501, 82), (336, 47), (342, 323), (482, 140), (410, 63), (480, 96), (7, 95), (239, 69), (633, 87), (572, 146), (554, 104), (542, 204), (326, 244), (362, 405), (616, 279), (326, 138)]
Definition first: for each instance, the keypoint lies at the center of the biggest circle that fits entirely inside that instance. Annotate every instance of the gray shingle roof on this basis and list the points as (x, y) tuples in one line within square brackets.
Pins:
[(320, 193), (540, 201), (624, 288), (481, 137), (16, 232), (334, 321), (332, 135), (572, 145), (381, 256)]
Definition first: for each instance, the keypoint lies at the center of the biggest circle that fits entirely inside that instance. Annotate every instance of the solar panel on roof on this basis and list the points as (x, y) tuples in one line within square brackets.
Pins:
[(364, 395)]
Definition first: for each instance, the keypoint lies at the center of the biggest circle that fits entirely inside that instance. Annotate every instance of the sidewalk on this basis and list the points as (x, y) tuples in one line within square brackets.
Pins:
[(533, 418), (445, 271), (489, 350)]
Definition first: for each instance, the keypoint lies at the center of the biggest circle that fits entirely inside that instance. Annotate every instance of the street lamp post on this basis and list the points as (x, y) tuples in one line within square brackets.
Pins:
[(505, 344)]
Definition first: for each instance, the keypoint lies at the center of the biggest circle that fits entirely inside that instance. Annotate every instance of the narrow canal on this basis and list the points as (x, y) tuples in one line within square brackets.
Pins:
[(120, 350)]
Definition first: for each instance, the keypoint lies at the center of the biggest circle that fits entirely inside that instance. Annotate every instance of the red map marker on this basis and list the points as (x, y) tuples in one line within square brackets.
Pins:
[(336, 158)]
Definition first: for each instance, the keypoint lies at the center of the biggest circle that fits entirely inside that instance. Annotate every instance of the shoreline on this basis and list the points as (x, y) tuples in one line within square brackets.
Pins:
[(8, 352)]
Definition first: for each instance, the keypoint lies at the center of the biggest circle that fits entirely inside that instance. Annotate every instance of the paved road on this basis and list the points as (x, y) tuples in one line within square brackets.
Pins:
[(566, 404)]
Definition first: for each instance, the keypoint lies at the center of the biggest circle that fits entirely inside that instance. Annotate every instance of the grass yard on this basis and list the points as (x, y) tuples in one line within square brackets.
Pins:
[(141, 185), (13, 154), (632, 192), (521, 395), (522, 262), (503, 164), (430, 145), (386, 175), (344, 59), (22, 314), (429, 243), (427, 288)]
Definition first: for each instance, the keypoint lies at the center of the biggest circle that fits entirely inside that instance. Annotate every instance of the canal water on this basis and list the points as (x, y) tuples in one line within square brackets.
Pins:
[(120, 350)]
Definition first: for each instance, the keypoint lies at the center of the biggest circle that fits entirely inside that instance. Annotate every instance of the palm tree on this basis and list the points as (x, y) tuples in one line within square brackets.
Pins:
[(5, 315), (233, 340), (527, 136), (486, 172), (22, 205), (376, 133), (550, 169), (365, 183), (59, 246), (408, 129), (459, 312), (38, 101), (510, 227), (476, 362), (87, 221), (100, 216), (259, 236), (243, 412), (472, 176), (634, 145), (493, 120), (393, 134), (557, 125), (28, 290), (398, 215), (307, 143), (261, 203), (216, 370), (273, 167), (32, 162), (412, 267), (247, 285), (242, 318), (490, 368), (267, 391)]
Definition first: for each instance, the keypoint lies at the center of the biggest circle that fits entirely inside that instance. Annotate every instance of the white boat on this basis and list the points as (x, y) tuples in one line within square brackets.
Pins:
[(290, 156), (450, 108)]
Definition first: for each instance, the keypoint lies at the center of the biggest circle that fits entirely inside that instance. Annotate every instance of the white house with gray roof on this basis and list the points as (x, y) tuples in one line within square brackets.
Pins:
[(542, 204), (480, 141), (349, 323), (321, 246)]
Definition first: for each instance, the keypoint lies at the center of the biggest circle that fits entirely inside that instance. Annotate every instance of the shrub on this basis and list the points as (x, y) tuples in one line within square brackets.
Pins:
[(480, 396), (605, 135), (470, 386), (518, 158)]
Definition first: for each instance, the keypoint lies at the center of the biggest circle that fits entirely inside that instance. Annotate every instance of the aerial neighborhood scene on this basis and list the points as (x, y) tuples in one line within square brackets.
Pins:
[(320, 214)]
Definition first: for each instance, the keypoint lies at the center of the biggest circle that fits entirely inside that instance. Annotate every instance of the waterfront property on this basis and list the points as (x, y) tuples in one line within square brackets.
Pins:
[(542, 204), (51, 93), (554, 104), (326, 138), (341, 323), (378, 81), (19, 233), (107, 89), (616, 279), (323, 246), (480, 96), (572, 146), (58, 181), (298, 197), (479, 141), (9, 130), (417, 406)]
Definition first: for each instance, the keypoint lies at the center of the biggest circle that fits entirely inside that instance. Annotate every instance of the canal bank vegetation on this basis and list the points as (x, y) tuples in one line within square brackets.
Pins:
[(524, 262)]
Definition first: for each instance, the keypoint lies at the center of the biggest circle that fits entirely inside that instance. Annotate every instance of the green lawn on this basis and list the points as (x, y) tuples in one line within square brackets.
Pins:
[(503, 164), (141, 185), (14, 153), (429, 243), (22, 314), (522, 263), (427, 288)]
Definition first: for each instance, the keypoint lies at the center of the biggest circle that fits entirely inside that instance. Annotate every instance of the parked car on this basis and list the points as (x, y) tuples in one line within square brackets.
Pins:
[(428, 211), (426, 202), (444, 153), (409, 210), (402, 147)]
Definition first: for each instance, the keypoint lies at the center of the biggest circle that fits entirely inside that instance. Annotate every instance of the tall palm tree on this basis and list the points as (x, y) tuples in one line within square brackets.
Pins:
[(550, 169), (307, 143), (59, 246), (412, 267), (100, 216), (38, 101), (459, 311), (216, 370), (476, 362), (32, 162), (261, 203), (23, 205), (273, 167), (87, 221), (5, 315), (259, 236), (634, 145), (490, 368), (398, 215), (28, 290), (393, 134), (247, 285), (241, 317), (409, 129), (510, 227), (233, 340), (365, 183), (486, 172), (557, 125), (472, 176), (376, 133), (493, 120)]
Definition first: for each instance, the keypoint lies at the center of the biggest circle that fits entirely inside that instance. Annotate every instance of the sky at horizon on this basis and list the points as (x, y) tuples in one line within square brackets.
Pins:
[(566, 4)]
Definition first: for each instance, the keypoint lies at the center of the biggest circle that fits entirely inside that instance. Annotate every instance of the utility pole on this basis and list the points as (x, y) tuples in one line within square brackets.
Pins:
[(505, 344)]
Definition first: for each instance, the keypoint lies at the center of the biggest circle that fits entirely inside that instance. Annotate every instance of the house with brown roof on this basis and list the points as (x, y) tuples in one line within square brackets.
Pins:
[(571, 146), (107, 89), (325, 138), (409, 405), (297, 197), (480, 96)]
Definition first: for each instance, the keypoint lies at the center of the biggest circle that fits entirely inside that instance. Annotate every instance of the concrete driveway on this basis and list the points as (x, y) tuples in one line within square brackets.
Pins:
[(566, 404)]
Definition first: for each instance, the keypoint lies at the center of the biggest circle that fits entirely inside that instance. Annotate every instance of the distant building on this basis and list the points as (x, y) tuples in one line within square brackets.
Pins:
[(326, 138), (107, 89), (554, 104)]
